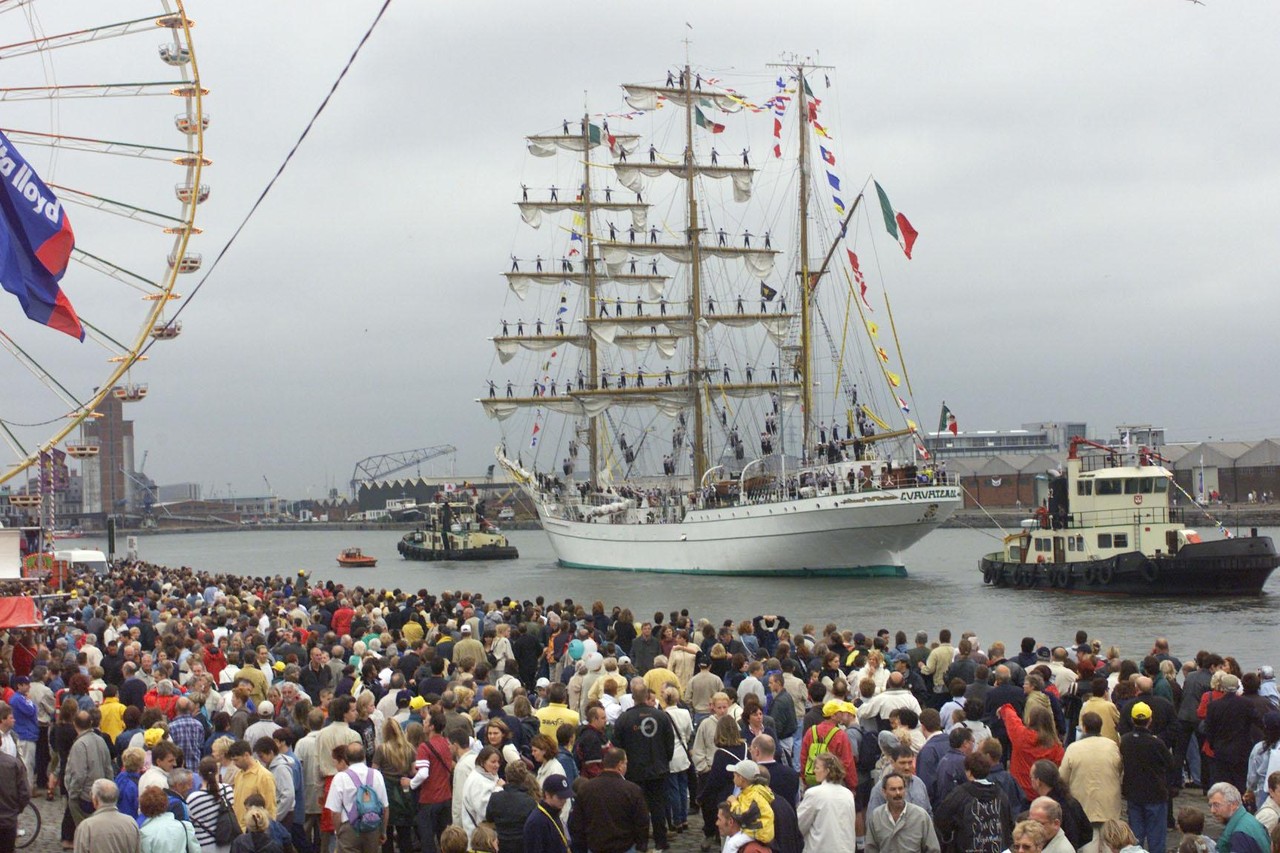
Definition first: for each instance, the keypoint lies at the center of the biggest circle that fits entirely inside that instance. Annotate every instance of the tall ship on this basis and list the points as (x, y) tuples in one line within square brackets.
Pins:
[(1111, 525), (699, 378)]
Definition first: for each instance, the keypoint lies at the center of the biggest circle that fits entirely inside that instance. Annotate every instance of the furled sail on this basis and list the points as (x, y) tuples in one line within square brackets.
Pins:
[(774, 325), (647, 98), (507, 347), (670, 400), (546, 145), (531, 211), (629, 175), (759, 262), (655, 285)]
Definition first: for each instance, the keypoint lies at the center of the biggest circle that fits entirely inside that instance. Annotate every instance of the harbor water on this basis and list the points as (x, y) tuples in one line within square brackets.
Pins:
[(944, 589)]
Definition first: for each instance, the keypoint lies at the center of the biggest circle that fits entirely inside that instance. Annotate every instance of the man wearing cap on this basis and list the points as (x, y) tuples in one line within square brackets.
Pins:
[(611, 815), (468, 646), (836, 715), (700, 689), (1228, 724), (264, 725), (543, 831), (1145, 786)]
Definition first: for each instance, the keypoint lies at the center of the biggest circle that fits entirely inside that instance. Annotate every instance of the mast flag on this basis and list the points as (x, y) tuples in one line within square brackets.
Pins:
[(706, 123), (896, 223), (766, 292), (947, 421), (35, 244)]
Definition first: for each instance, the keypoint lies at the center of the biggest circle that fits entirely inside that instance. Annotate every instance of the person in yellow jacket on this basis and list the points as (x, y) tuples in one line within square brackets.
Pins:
[(752, 788), (112, 713)]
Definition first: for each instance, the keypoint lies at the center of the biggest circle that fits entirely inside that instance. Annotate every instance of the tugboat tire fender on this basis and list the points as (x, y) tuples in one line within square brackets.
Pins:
[(1149, 571), (1105, 573)]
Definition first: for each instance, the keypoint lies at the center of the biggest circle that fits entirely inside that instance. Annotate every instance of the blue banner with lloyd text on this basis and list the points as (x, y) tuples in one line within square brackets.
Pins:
[(35, 244)]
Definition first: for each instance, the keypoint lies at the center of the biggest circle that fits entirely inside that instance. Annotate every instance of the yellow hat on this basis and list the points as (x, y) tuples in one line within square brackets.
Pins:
[(417, 702), (152, 737), (1140, 711), (835, 706), (849, 708), (75, 593), (278, 666)]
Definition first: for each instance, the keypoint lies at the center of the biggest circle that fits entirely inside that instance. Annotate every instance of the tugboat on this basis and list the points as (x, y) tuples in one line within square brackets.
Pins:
[(1110, 526), (353, 558), (456, 529)]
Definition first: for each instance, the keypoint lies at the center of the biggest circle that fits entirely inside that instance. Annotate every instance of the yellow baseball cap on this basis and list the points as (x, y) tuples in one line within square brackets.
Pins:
[(278, 666), (152, 737), (417, 702), (1140, 711)]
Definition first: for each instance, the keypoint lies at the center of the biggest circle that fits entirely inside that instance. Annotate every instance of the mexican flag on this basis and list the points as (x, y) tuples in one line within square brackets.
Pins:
[(896, 223), (947, 421), (704, 122)]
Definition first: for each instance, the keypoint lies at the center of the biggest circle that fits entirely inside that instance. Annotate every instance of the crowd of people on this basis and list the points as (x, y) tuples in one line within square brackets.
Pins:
[(173, 710)]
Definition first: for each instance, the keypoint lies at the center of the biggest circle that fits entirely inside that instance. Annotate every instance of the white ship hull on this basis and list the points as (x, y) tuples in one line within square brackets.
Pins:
[(857, 535)]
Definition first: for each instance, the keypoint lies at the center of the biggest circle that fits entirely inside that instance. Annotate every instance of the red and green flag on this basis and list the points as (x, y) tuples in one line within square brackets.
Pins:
[(896, 223), (706, 123), (947, 422)]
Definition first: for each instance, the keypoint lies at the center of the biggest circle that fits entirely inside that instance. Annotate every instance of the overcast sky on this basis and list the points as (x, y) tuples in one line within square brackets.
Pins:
[(1095, 185)]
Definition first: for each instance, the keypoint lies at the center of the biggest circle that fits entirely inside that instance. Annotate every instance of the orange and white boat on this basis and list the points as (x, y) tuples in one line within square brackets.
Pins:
[(354, 558)]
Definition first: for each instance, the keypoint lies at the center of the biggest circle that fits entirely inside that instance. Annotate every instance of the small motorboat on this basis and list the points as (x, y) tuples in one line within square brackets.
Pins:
[(353, 558)]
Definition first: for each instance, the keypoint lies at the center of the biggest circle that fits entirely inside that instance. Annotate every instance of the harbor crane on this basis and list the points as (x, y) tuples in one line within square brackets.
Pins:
[(374, 468)]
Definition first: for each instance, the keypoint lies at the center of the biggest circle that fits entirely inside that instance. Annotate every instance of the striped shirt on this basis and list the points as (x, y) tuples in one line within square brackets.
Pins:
[(204, 809)]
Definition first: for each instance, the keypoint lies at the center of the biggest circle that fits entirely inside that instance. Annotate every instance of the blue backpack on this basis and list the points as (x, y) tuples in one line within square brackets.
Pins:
[(367, 808)]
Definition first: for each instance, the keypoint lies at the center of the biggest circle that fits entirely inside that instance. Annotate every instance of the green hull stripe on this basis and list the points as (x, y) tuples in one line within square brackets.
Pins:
[(841, 572)]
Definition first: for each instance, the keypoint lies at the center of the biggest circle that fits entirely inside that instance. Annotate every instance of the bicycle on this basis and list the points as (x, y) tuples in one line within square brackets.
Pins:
[(28, 825)]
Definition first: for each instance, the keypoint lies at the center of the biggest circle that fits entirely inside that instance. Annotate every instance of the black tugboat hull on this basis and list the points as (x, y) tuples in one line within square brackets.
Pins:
[(413, 551), (1224, 567)]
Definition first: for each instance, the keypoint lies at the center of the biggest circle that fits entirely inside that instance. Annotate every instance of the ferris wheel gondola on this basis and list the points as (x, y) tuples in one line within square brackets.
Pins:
[(89, 105)]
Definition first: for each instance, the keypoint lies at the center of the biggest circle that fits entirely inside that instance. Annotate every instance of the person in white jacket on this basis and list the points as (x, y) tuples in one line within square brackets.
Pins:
[(480, 786), (826, 814), (678, 766)]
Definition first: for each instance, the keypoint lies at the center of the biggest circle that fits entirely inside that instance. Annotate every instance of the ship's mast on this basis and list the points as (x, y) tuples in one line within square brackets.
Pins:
[(588, 259), (806, 291), (695, 286)]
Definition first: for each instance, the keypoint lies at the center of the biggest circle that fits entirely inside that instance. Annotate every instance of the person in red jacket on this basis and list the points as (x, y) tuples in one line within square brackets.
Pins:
[(1035, 740), (837, 715), (214, 662), (341, 622), (433, 780)]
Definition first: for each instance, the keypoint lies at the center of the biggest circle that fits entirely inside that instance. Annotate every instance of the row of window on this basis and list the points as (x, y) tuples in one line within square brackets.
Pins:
[(1044, 544), (1129, 486)]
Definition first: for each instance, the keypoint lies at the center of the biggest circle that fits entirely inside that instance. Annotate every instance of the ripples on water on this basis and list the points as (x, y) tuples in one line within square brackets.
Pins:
[(944, 589)]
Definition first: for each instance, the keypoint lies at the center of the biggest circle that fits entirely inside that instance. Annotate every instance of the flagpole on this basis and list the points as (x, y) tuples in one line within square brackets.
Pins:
[(693, 236)]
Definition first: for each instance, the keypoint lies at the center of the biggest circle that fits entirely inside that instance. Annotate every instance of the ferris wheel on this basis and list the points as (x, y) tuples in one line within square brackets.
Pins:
[(103, 103)]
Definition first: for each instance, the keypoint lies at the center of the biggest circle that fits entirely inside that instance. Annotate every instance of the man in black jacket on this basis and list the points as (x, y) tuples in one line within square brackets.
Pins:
[(1194, 686), (1228, 726), (611, 815), (975, 817), (649, 740), (1146, 762)]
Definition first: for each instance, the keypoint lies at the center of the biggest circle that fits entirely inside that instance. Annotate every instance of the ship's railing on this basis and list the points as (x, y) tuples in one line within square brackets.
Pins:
[(1122, 517)]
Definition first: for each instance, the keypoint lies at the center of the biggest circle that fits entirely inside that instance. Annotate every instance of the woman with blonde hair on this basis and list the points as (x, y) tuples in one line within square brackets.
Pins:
[(484, 839), (256, 837), (1117, 837), (502, 651), (394, 760), (1028, 837), (453, 840)]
